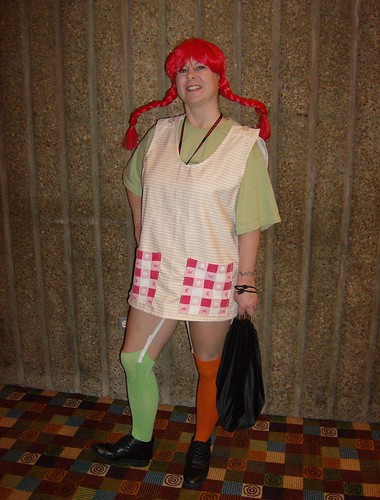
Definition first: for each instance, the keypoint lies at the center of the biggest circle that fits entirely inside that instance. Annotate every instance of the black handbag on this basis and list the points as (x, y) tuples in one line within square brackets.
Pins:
[(240, 389)]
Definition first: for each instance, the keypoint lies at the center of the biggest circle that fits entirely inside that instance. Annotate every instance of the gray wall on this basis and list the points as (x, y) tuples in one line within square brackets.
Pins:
[(72, 71)]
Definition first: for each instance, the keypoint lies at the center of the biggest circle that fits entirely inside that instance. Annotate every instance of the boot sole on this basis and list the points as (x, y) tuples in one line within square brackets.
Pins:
[(126, 461)]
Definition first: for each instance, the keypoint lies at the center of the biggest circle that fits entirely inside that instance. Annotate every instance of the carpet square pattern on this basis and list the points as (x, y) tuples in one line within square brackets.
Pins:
[(46, 439)]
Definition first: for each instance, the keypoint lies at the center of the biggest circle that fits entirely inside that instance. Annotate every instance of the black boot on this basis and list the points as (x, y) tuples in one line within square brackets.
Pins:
[(197, 463), (127, 449)]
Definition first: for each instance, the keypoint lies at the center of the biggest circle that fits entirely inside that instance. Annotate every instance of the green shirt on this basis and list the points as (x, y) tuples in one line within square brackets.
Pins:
[(256, 206)]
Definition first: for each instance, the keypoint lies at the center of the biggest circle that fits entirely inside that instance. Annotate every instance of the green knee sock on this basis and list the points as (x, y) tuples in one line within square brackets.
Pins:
[(142, 393)]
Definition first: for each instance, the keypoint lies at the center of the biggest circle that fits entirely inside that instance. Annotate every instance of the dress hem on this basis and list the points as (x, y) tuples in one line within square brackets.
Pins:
[(210, 319)]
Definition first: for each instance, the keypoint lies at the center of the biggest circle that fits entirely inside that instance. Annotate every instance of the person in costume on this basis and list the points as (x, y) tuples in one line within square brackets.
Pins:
[(200, 195)]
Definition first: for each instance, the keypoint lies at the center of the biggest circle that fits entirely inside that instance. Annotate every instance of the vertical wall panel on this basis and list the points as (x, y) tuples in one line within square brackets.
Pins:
[(48, 177), (309, 206), (181, 21), (367, 214), (96, 201), (364, 211), (371, 400), (33, 137), (327, 215), (337, 365), (257, 54), (71, 74), (66, 311), (76, 40), (291, 180), (24, 206), (11, 364)]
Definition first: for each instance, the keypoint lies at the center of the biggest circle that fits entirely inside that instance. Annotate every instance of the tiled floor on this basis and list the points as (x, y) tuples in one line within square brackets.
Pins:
[(46, 439)]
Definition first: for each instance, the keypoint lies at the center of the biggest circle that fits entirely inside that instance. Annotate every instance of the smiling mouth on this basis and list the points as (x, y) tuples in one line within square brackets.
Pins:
[(193, 87)]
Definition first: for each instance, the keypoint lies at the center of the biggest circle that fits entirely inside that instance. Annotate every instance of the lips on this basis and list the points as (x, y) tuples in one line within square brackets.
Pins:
[(191, 88)]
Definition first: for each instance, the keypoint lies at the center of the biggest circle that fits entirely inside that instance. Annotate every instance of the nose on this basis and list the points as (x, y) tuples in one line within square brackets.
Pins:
[(190, 73)]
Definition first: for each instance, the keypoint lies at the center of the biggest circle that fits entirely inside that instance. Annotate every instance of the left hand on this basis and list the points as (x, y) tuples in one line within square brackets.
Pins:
[(247, 303)]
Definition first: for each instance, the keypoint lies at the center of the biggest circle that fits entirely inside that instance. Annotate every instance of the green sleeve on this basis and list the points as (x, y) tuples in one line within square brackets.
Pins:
[(132, 172), (256, 205)]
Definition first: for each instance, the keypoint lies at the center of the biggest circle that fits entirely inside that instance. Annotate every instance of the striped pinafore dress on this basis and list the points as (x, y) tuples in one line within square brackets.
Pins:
[(187, 260)]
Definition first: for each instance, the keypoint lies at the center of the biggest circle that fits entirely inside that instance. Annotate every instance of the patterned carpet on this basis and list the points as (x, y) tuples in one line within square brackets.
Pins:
[(46, 439)]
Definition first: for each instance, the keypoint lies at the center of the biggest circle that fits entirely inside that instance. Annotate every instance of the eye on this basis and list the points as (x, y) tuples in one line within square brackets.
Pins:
[(200, 67), (182, 70)]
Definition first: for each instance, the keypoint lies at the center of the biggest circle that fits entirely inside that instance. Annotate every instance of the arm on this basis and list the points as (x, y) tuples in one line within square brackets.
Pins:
[(248, 249), (135, 204)]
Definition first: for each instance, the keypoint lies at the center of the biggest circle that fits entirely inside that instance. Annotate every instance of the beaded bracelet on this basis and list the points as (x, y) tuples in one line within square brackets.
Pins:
[(244, 288)]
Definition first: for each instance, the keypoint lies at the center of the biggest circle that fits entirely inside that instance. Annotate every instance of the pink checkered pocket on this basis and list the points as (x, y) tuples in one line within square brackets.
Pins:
[(206, 288), (147, 271)]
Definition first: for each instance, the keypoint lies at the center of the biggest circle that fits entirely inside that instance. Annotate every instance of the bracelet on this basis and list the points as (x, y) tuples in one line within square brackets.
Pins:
[(246, 273), (244, 288)]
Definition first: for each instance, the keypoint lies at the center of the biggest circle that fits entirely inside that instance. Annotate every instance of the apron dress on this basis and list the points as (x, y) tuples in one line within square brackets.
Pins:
[(187, 261)]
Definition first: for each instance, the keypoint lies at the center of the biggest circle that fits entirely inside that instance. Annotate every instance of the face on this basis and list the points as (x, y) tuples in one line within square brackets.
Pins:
[(197, 84)]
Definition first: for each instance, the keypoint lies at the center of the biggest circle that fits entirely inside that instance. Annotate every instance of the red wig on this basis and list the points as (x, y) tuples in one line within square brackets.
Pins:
[(201, 51), (210, 55)]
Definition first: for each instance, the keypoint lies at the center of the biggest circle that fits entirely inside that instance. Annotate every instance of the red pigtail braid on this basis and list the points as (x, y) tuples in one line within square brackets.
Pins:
[(225, 91), (131, 137)]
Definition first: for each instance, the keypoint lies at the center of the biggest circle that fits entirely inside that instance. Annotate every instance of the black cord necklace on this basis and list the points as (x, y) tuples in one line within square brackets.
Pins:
[(202, 141)]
